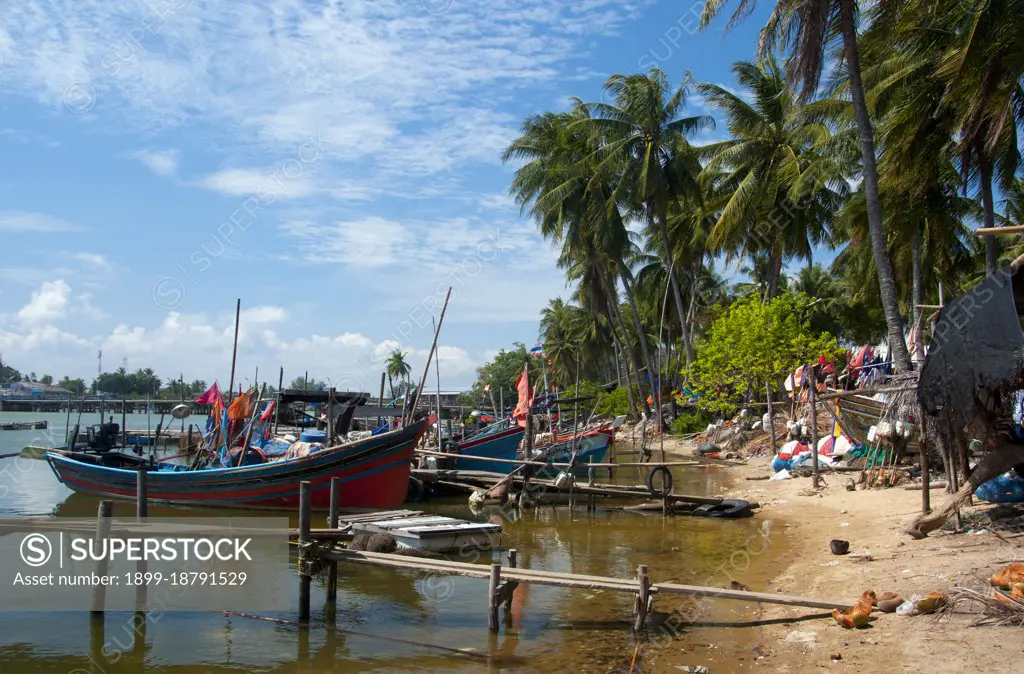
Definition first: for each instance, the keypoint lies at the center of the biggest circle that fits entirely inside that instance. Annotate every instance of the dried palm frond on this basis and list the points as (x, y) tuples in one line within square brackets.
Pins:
[(992, 606)]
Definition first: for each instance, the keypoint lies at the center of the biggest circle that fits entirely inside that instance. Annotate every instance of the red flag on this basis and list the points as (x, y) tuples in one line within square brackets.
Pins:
[(211, 396), (525, 397), (265, 417)]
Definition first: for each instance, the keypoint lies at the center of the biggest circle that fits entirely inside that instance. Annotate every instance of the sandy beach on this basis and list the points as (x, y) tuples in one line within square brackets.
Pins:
[(881, 558)]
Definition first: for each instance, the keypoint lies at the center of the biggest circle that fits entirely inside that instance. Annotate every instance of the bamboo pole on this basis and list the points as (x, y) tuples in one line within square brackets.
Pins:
[(280, 390), (999, 231)]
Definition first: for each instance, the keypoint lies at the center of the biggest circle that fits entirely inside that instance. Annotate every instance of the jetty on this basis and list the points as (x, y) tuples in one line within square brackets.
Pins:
[(24, 425)]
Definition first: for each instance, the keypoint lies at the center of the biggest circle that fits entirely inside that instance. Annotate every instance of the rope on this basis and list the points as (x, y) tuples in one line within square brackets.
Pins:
[(632, 665)]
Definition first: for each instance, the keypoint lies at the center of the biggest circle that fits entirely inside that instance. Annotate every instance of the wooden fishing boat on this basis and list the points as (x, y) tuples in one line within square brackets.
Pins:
[(501, 445), (374, 473)]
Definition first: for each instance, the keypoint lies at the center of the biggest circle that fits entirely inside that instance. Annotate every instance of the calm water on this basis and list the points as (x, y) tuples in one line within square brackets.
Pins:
[(392, 621)]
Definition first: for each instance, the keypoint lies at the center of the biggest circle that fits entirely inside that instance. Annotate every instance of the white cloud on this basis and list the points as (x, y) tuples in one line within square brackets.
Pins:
[(369, 242), (96, 261), (21, 221), (250, 182), (49, 303), (262, 315), (160, 162)]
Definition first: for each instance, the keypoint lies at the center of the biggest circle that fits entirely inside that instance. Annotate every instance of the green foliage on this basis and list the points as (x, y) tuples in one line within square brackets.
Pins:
[(751, 344), (76, 386), (141, 382), (617, 402), (8, 374), (502, 371), (300, 383), (691, 422), (46, 379)]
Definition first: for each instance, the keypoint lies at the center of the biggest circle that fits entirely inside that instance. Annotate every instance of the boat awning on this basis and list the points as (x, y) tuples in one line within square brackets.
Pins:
[(340, 397)]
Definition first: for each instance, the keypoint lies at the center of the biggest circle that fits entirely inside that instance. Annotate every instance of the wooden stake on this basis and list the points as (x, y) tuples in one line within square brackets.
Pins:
[(99, 591), (277, 410), (771, 418), (380, 398), (492, 597), (304, 543), (332, 523), (642, 602), (141, 513), (513, 560)]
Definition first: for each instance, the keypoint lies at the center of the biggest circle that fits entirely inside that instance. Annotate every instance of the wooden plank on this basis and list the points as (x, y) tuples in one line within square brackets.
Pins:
[(740, 595), (999, 231), (577, 580)]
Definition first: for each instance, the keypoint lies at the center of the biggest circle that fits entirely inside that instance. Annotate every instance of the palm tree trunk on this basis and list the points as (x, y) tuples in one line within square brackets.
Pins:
[(879, 242), (989, 214), (625, 367), (917, 281), (641, 335), (774, 274), (391, 386), (616, 317), (662, 226)]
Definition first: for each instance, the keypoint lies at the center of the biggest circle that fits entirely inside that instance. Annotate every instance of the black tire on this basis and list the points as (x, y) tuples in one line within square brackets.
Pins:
[(665, 481), (450, 446), (415, 493), (730, 508)]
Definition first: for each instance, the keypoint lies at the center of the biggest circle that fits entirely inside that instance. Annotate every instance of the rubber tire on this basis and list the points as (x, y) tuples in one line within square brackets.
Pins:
[(735, 508), (450, 446), (415, 493), (667, 481)]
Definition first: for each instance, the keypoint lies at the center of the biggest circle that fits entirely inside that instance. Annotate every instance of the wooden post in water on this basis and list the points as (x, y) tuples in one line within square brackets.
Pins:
[(492, 597), (99, 592), (643, 598), (141, 513), (304, 542), (332, 524)]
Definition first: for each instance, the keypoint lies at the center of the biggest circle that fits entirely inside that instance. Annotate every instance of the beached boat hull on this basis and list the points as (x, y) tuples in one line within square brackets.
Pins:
[(503, 445), (373, 473)]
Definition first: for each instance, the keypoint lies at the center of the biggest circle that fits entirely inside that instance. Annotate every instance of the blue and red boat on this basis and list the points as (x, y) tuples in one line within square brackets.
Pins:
[(374, 473), (497, 451)]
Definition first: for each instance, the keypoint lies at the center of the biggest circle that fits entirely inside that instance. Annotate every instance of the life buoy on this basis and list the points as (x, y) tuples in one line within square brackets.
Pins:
[(728, 508), (666, 482), (415, 493)]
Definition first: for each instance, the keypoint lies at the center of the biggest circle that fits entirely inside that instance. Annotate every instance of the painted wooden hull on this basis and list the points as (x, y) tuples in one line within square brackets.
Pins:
[(374, 473), (503, 445), (592, 446)]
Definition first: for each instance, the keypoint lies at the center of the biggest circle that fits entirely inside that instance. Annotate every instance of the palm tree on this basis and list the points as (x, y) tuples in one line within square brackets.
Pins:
[(782, 173), (643, 141), (807, 27), (574, 204), (398, 368)]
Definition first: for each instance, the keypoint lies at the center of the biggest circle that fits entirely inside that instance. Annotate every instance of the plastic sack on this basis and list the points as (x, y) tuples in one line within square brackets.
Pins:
[(781, 475), (1007, 488)]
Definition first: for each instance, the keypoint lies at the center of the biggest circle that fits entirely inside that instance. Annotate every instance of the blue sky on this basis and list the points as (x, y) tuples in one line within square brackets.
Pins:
[(336, 165)]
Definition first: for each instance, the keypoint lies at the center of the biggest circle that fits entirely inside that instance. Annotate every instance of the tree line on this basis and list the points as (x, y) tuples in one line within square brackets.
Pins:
[(887, 161)]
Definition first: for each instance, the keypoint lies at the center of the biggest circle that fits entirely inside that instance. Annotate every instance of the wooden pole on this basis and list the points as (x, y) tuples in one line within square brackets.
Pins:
[(330, 417), (99, 591), (997, 231), (513, 562), (641, 603), (124, 421), (332, 523), (437, 372), (380, 398), (234, 352), (277, 410), (426, 367), (771, 418), (304, 543), (492, 597), (67, 423), (811, 380), (141, 513), (926, 506)]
